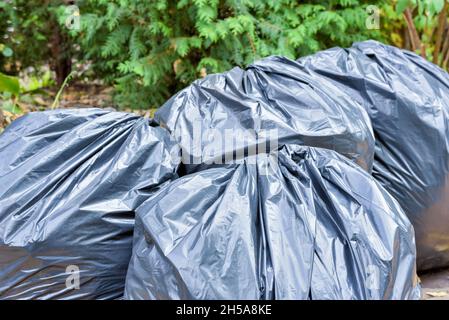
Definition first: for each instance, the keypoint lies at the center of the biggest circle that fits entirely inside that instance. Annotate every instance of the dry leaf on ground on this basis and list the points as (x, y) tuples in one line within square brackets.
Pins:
[(437, 293)]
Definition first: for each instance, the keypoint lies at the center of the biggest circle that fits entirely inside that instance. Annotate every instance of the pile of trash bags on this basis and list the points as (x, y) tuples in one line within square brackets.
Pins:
[(288, 179)]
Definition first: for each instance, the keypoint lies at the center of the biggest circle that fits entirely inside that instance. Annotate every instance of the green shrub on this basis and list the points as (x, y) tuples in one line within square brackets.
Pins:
[(32, 37), (151, 49)]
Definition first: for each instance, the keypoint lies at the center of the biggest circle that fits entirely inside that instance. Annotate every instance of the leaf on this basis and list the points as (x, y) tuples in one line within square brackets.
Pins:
[(235, 26), (182, 46), (213, 64), (207, 13), (402, 5), (437, 293), (9, 84), (200, 3), (9, 108), (207, 31), (7, 52), (437, 5), (182, 3)]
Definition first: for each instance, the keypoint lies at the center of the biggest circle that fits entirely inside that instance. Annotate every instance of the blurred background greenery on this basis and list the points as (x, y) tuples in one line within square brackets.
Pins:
[(132, 54)]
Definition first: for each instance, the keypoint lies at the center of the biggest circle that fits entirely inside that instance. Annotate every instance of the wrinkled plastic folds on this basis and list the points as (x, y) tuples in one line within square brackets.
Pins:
[(273, 99), (70, 181), (301, 219), (407, 99), (304, 223)]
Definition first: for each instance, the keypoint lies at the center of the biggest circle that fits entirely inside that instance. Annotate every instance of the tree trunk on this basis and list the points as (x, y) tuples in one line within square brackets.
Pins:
[(414, 36), (445, 47), (442, 17), (60, 49), (406, 36)]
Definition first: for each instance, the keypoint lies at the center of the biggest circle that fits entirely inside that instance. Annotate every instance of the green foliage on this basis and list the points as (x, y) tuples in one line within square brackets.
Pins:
[(9, 84), (34, 83), (25, 31), (425, 28), (9, 91), (151, 49), (32, 37), (425, 7), (14, 90)]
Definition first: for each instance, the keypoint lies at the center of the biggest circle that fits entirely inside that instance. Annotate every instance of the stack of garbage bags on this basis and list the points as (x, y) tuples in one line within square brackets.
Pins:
[(284, 180)]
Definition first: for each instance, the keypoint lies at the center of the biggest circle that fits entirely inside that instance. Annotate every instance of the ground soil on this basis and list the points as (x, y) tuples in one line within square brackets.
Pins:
[(435, 285)]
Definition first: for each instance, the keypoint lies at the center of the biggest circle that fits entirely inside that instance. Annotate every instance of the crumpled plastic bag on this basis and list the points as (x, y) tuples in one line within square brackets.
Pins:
[(271, 103), (407, 99), (70, 181), (304, 223)]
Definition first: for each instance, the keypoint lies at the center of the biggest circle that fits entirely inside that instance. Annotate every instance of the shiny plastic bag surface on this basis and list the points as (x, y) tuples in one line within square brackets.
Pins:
[(271, 103), (304, 223), (70, 181), (407, 99)]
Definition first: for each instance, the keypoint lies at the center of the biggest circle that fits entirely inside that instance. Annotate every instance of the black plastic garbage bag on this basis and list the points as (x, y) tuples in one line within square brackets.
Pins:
[(271, 103), (407, 99), (69, 183), (304, 223)]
